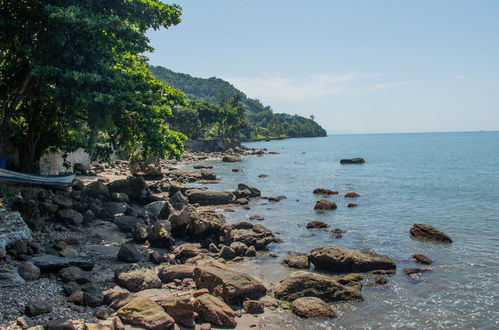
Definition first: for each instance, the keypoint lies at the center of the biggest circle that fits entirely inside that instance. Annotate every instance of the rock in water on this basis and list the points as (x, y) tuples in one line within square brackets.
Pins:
[(422, 259), (230, 285), (231, 159), (145, 313), (305, 284), (344, 260), (300, 262), (356, 160), (324, 191), (351, 195), (312, 307), (316, 225), (410, 271), (207, 174), (427, 232), (203, 197), (324, 204)]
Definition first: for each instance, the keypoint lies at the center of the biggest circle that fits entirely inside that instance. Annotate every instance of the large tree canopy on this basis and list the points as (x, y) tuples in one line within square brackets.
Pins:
[(72, 75)]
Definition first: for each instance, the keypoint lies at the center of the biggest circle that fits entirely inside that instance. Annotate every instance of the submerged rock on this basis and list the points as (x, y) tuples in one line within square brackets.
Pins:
[(324, 191), (312, 307), (427, 232), (340, 259), (410, 271)]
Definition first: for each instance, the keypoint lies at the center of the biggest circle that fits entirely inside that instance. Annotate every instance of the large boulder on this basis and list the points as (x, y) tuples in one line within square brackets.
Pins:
[(186, 251), (215, 311), (138, 279), (357, 160), (204, 197), (51, 263), (230, 285), (427, 232), (231, 159), (145, 313), (305, 284), (207, 174), (249, 234), (312, 307), (12, 228), (182, 309), (196, 222), (343, 260)]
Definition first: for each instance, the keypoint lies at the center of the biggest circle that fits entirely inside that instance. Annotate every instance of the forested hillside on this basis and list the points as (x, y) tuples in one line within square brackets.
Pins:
[(208, 94)]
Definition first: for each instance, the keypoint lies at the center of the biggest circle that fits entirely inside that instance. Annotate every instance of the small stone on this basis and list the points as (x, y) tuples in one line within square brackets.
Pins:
[(60, 324), (36, 308), (29, 271)]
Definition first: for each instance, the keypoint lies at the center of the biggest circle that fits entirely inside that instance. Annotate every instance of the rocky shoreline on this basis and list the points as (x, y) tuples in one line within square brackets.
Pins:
[(118, 250)]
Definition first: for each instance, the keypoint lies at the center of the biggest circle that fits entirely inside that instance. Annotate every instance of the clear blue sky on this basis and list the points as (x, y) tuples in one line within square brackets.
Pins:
[(357, 65)]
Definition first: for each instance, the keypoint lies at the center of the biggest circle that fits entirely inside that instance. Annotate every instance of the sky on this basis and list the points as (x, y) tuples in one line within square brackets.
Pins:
[(359, 66)]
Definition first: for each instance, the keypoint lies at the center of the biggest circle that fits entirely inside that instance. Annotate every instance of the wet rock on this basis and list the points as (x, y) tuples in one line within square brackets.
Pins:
[(422, 259), (351, 195), (230, 285), (227, 253), (35, 308), (213, 310), (324, 204), (75, 274), (29, 271), (128, 253), (352, 205), (207, 174), (356, 160), (317, 225), (145, 313), (51, 263), (410, 271), (427, 232), (253, 306), (324, 191), (10, 278), (299, 261), (383, 272), (249, 234), (305, 284), (203, 197), (256, 217), (127, 222), (231, 159), (308, 307), (171, 272), (340, 259), (187, 251), (138, 279), (159, 235)]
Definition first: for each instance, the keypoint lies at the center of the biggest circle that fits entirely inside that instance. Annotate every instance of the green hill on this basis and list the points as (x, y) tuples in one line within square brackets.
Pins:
[(263, 122)]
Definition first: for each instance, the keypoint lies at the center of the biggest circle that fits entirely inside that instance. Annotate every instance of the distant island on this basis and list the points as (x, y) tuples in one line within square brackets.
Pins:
[(209, 97)]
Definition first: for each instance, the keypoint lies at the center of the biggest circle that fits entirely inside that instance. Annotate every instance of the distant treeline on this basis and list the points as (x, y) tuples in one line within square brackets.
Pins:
[(219, 110)]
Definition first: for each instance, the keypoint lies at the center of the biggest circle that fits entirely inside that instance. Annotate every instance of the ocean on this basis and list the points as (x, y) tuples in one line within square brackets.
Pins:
[(447, 180)]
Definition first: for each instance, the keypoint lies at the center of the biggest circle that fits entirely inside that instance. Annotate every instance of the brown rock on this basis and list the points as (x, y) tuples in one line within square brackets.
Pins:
[(427, 232), (213, 310), (324, 191), (422, 259), (324, 204), (145, 313), (340, 259), (253, 307), (312, 307), (410, 271), (352, 205), (168, 273), (356, 160), (138, 279), (317, 225), (351, 195), (299, 261)]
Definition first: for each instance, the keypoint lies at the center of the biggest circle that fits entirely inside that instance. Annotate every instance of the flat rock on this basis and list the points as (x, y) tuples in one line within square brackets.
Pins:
[(312, 307), (231, 159), (306, 284), (203, 197), (145, 313), (51, 263), (345, 260), (168, 273), (75, 274), (427, 232)]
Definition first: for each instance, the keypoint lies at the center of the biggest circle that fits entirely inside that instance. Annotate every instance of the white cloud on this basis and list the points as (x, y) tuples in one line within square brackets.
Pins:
[(269, 88), (458, 76)]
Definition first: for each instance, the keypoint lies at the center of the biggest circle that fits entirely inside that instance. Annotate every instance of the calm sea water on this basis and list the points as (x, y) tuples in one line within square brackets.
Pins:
[(448, 180)]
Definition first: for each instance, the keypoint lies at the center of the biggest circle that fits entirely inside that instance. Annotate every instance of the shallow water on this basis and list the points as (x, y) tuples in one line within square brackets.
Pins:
[(448, 180)]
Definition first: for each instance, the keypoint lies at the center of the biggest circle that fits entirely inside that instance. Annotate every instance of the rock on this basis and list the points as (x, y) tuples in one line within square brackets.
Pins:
[(186, 251), (135, 187), (305, 284), (256, 217), (95, 326), (239, 248), (102, 312), (77, 185), (74, 274), (410, 271), (69, 252), (207, 174), (227, 253), (380, 280), (427, 232), (241, 201), (324, 191), (253, 306), (213, 310), (35, 308), (159, 235), (178, 200), (160, 257), (12, 228), (357, 160), (138, 279), (181, 309), (76, 297), (312, 307), (140, 233), (198, 223), (247, 233), (254, 192), (127, 222), (250, 252), (62, 201), (60, 324), (324, 204), (317, 225), (29, 271), (70, 217), (351, 195), (343, 260), (120, 197), (51, 263), (231, 159), (352, 205), (171, 272), (97, 190), (128, 253), (145, 313), (92, 294), (422, 259), (113, 209), (88, 217), (203, 197), (232, 286), (160, 209), (299, 261), (10, 278)]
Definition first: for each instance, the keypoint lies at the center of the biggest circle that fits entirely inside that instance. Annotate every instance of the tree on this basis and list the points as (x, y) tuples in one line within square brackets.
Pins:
[(72, 75)]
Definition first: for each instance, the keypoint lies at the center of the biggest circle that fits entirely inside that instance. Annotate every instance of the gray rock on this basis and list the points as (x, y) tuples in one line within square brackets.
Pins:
[(254, 192), (35, 308), (112, 209), (60, 324), (92, 294), (178, 200), (62, 201), (357, 160), (134, 187), (70, 217), (75, 274), (127, 222), (299, 261), (227, 253), (159, 235), (203, 197), (29, 271), (10, 278), (247, 233), (231, 159), (97, 190), (207, 174), (159, 209), (12, 228), (51, 263), (120, 197), (128, 253)]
